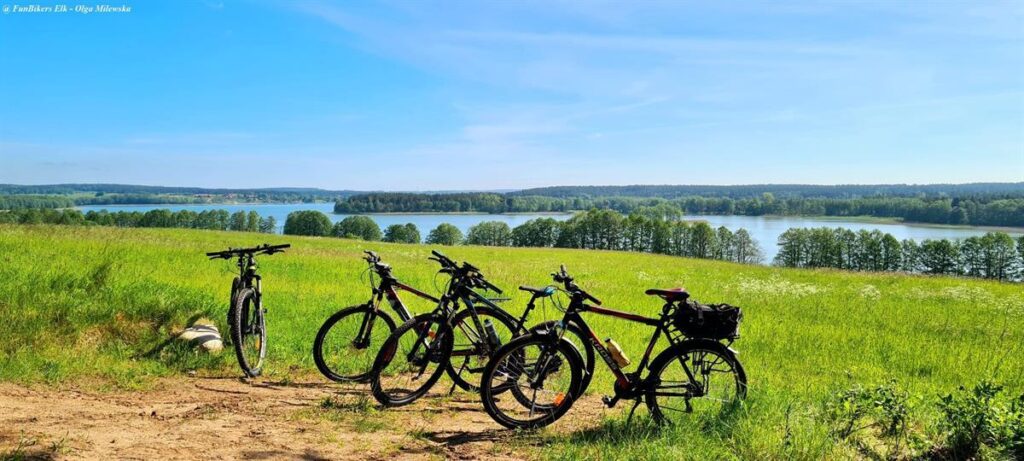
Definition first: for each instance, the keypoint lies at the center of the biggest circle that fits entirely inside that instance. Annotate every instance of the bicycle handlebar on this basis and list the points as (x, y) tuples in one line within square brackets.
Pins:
[(563, 277), (448, 266), (264, 249), (442, 259)]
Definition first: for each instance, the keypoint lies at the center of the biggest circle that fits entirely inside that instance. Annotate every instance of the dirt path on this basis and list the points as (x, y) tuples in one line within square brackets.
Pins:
[(220, 418)]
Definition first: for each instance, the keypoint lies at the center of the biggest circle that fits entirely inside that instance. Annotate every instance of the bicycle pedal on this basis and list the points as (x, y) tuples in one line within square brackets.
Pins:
[(609, 401)]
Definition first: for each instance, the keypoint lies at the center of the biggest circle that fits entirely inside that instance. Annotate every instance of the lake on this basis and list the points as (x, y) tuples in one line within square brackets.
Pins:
[(764, 229)]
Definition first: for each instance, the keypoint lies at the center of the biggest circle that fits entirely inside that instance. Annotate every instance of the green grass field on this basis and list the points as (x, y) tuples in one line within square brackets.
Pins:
[(89, 306)]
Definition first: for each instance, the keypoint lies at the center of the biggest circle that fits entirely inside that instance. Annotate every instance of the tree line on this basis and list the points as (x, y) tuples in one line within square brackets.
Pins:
[(841, 191), (994, 255), (981, 210), (210, 219), (20, 202), (88, 189), (650, 230)]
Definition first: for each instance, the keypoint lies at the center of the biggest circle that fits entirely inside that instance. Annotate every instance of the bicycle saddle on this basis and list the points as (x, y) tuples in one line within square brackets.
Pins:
[(671, 294), (539, 292)]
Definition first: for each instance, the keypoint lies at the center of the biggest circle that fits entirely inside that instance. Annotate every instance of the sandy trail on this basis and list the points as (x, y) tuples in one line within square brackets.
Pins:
[(222, 418)]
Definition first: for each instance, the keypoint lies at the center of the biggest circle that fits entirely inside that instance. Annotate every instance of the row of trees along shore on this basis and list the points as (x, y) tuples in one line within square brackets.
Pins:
[(994, 256), (650, 230), (657, 229), (210, 219), (1003, 209)]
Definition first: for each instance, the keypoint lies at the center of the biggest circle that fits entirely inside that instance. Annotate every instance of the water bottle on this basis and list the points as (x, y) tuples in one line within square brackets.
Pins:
[(617, 355), (492, 334)]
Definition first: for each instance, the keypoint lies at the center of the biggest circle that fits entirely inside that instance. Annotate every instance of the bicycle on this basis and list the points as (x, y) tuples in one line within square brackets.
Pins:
[(347, 337), (246, 314), (436, 338), (544, 365)]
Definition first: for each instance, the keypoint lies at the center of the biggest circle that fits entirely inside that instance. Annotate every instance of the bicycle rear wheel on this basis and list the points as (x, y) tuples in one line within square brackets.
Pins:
[(545, 370), (347, 343), (701, 378), (249, 333), (411, 360)]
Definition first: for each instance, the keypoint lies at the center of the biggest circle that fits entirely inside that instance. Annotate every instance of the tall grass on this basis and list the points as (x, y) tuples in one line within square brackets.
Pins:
[(97, 305)]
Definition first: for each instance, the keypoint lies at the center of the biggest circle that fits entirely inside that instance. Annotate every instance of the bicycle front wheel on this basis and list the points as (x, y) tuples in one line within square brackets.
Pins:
[(347, 343), (471, 349), (701, 378), (249, 332), (411, 360), (546, 370)]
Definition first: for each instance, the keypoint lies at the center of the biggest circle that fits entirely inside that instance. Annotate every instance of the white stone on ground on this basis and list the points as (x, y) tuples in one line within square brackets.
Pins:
[(204, 334)]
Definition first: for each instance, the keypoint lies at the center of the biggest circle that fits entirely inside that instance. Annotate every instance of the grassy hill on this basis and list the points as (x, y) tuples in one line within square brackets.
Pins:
[(91, 307)]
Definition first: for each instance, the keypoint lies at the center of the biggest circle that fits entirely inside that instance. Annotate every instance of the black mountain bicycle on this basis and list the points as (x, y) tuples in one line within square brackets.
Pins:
[(346, 345), (459, 341), (693, 374), (246, 314)]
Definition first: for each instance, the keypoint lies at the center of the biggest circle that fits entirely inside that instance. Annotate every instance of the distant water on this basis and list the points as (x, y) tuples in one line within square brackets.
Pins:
[(765, 230)]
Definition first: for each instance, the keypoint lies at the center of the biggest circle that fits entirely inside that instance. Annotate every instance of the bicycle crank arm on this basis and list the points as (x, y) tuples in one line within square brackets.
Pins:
[(610, 401)]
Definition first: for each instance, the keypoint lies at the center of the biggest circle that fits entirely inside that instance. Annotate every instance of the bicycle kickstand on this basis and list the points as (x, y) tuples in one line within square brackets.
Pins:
[(631, 410), (459, 373)]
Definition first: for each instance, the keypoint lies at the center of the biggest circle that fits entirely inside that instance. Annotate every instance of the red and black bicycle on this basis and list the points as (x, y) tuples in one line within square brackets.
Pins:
[(696, 373), (347, 343)]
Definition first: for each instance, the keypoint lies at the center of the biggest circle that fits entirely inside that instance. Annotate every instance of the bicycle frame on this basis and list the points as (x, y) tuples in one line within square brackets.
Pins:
[(247, 275), (625, 383), (388, 288)]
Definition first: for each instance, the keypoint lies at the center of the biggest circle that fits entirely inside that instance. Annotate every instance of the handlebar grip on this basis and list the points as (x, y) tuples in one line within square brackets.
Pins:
[(494, 288)]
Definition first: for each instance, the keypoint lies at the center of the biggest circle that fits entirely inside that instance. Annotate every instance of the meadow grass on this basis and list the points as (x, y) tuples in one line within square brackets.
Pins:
[(95, 306)]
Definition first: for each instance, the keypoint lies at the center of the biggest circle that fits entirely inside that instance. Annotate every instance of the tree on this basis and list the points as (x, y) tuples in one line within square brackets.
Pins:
[(252, 222), (268, 225), (357, 227), (540, 232), (744, 249), (1000, 256), (1020, 249), (723, 244), (702, 240), (892, 253), (445, 234), (237, 221), (490, 233), (972, 257), (793, 248), (402, 233), (939, 257), (307, 222), (910, 256)]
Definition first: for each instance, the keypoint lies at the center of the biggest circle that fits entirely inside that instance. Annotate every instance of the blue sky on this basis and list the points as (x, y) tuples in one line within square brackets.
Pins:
[(419, 95)]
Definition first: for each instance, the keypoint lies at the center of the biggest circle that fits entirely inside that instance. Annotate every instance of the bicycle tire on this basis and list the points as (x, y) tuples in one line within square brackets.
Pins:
[(516, 348), (246, 313), (235, 282), (683, 350), (336, 319), (439, 352)]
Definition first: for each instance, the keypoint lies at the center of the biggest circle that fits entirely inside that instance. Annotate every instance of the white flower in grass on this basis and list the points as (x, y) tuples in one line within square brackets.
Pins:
[(870, 292), (777, 285)]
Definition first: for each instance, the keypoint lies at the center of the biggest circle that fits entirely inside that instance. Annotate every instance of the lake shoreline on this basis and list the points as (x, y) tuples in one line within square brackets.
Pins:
[(876, 220), (864, 219)]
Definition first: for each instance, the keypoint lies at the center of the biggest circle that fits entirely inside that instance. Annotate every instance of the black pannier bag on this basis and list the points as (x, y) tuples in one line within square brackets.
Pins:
[(712, 321)]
